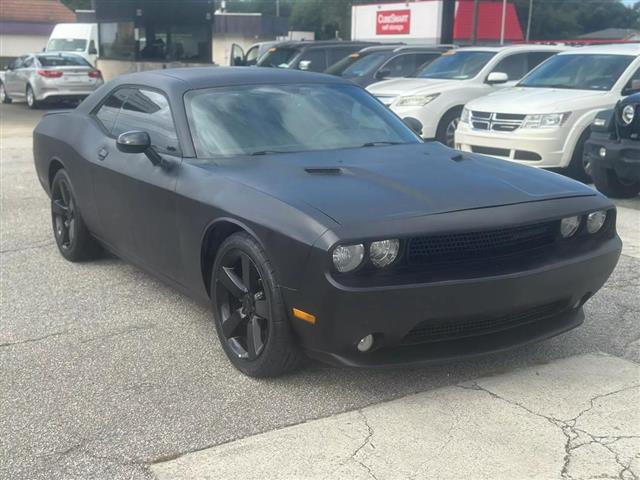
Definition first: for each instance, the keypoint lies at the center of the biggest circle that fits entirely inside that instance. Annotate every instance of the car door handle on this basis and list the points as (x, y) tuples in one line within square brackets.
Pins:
[(103, 153)]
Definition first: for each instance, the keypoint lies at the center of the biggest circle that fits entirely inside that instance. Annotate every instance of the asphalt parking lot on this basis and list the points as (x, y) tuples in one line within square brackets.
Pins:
[(106, 371)]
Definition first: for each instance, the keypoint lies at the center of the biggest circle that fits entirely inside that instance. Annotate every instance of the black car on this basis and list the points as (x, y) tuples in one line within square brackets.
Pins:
[(373, 64), (314, 220), (613, 149), (308, 55)]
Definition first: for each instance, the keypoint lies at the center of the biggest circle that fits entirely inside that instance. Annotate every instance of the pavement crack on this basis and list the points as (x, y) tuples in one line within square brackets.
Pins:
[(365, 442), (29, 247), (33, 340)]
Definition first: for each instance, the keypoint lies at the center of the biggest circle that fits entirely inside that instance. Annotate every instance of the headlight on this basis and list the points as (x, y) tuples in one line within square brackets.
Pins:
[(595, 221), (550, 120), (569, 226), (348, 257), (415, 100), (384, 252), (464, 116), (628, 113)]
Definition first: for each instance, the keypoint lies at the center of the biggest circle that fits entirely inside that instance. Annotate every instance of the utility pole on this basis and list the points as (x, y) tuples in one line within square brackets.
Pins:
[(277, 8), (504, 15), (448, 19), (474, 32), (529, 19)]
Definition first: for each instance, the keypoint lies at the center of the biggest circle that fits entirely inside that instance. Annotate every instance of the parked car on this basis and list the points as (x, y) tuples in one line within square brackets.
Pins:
[(78, 38), (546, 120), (308, 55), (436, 94), (313, 220), (239, 58), (45, 77), (373, 64), (614, 148)]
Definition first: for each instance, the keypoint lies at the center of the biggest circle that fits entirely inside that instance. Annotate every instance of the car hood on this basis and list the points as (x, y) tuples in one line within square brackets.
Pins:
[(407, 86), (361, 185), (524, 100)]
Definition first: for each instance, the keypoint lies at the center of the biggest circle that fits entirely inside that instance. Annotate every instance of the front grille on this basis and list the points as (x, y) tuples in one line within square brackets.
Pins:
[(439, 330), (499, 122), (484, 245)]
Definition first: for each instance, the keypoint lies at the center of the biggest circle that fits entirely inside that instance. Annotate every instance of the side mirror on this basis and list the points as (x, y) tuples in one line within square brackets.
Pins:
[(93, 51), (138, 142), (304, 64), (495, 78), (384, 73), (414, 124)]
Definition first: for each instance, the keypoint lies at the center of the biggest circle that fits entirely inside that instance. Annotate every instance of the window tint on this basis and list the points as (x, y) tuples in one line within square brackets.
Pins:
[(62, 61), (536, 58), (109, 110), (337, 54), (19, 63), (515, 66), (252, 56), (148, 111), (28, 63), (405, 64), (317, 58)]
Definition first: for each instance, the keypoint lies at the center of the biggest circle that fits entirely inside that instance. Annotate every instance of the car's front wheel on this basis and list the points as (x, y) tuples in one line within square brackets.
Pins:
[(250, 316), (74, 241), (446, 132), (607, 181)]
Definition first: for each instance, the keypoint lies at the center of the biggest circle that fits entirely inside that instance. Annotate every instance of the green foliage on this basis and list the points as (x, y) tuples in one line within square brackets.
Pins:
[(77, 4)]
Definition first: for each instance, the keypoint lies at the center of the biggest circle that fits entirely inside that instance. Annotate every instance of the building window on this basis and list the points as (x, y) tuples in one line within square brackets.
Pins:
[(117, 40), (174, 43)]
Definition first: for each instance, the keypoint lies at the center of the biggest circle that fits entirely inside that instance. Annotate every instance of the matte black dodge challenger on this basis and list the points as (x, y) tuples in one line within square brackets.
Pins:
[(314, 220)]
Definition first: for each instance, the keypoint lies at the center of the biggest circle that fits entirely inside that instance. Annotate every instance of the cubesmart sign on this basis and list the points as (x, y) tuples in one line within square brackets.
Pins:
[(393, 22)]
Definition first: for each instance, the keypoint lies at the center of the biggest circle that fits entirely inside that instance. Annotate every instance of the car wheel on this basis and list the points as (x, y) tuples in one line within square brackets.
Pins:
[(4, 98), (31, 98), (580, 166), (249, 313), (72, 236), (447, 128), (607, 182)]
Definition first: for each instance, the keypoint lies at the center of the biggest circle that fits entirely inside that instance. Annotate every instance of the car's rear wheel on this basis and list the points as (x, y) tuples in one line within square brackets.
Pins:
[(4, 98), (250, 316), (31, 98), (607, 181), (74, 241), (446, 133)]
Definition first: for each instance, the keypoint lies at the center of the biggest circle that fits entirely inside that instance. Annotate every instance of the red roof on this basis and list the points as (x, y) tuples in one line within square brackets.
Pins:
[(489, 21), (35, 11)]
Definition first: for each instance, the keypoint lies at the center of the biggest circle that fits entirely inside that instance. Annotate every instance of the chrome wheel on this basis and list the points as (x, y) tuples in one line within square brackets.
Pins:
[(242, 305), (451, 132), (63, 214)]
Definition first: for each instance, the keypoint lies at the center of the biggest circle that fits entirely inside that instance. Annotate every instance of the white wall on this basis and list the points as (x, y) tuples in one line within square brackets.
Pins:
[(16, 45), (425, 20)]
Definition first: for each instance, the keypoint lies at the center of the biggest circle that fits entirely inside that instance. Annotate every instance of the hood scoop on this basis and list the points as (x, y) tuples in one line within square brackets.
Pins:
[(323, 170)]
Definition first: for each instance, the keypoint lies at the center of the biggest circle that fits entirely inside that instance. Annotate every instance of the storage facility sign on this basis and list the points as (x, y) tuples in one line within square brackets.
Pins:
[(393, 22)]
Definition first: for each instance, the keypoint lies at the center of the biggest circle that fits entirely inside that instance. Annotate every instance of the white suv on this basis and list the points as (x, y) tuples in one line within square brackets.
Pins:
[(436, 94), (544, 121)]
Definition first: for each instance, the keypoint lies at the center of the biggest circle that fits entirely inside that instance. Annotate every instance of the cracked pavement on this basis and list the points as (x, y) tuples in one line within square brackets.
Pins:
[(108, 373)]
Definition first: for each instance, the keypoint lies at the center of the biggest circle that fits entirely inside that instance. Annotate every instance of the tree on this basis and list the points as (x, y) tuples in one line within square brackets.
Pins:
[(77, 4)]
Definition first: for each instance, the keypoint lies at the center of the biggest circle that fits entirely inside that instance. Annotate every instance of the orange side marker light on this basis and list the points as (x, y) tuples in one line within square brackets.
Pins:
[(304, 316)]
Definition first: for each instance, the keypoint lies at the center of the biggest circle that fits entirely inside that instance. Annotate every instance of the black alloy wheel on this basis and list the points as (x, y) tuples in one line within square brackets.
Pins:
[(250, 316), (243, 305)]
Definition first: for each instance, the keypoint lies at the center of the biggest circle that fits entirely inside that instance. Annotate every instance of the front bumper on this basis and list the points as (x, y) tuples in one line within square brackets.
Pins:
[(622, 155), (424, 322), (538, 148)]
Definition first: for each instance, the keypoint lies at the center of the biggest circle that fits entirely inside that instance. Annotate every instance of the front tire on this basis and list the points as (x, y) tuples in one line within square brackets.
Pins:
[(4, 97), (580, 167), (447, 127), (250, 316), (74, 241), (607, 182), (32, 103)]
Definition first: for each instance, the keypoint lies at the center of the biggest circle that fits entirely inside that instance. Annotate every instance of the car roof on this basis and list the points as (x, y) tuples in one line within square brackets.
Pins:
[(401, 47), (509, 48), (610, 49), (320, 43), (193, 78)]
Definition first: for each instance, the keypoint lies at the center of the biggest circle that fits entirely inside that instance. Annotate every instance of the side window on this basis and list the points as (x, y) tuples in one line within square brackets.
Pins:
[(109, 110), (515, 66), (149, 111), (633, 82), (536, 58), (19, 63), (28, 63), (316, 57), (401, 66), (251, 58), (337, 54)]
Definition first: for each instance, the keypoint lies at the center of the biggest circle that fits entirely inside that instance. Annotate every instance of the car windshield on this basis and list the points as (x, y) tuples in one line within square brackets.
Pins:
[(278, 57), (62, 61), (262, 119), (456, 65), (340, 66), (578, 72), (364, 65), (66, 45)]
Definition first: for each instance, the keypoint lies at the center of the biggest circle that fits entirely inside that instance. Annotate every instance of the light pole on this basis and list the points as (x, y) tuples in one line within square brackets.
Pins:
[(504, 14), (529, 19)]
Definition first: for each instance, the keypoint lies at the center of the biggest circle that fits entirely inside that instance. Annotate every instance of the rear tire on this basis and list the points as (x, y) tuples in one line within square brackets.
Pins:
[(447, 127), (249, 313), (74, 241), (580, 167), (4, 97), (607, 182), (32, 103)]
